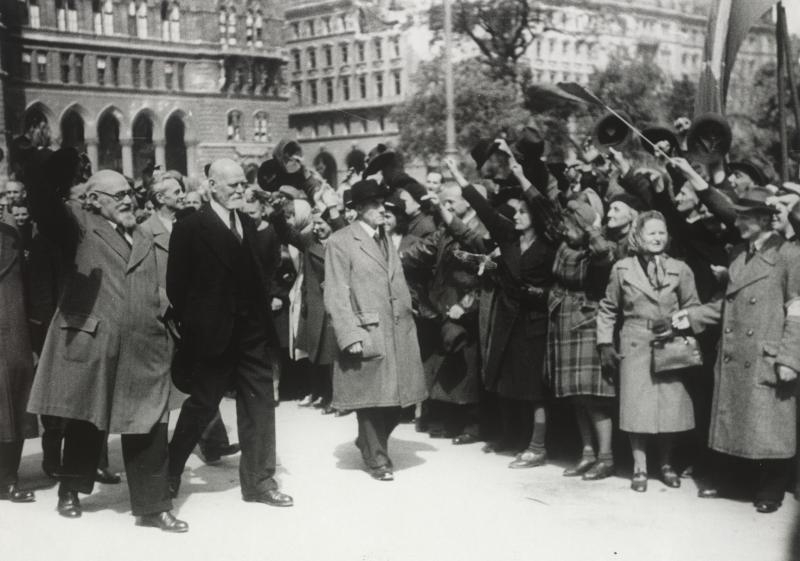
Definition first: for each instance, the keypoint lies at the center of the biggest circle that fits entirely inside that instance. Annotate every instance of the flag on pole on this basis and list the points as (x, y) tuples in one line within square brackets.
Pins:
[(728, 24)]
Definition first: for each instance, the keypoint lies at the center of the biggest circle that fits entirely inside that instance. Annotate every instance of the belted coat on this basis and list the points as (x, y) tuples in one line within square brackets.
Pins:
[(754, 416), (106, 356), (368, 301)]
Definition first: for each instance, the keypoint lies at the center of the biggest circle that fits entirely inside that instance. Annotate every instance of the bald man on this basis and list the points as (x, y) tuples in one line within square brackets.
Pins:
[(105, 362), (214, 285)]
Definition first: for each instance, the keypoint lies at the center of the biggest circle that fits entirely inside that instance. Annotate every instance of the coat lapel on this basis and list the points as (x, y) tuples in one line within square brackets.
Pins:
[(744, 274), (370, 246), (142, 243), (160, 233), (635, 276), (215, 234), (103, 229)]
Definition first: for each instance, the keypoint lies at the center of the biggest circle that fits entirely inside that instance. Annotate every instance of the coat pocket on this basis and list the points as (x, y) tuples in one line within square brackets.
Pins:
[(373, 344), (585, 317), (766, 368), (78, 333)]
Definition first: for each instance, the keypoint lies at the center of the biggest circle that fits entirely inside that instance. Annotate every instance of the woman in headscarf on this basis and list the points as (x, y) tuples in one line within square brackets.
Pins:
[(644, 291)]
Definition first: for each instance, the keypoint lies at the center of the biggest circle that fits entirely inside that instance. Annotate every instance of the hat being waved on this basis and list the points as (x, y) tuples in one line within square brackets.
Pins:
[(755, 200)]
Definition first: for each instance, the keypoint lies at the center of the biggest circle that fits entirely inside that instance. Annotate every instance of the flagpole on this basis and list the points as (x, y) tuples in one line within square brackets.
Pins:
[(789, 70), (450, 126), (781, 44)]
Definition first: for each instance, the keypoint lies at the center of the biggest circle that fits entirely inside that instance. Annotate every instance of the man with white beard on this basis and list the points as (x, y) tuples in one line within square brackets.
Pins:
[(105, 362)]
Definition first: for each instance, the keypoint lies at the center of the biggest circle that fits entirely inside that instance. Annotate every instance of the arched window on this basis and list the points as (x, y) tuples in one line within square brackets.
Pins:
[(165, 20), (175, 22), (141, 20), (97, 18), (72, 16), (61, 15), (261, 127), (235, 125), (108, 17)]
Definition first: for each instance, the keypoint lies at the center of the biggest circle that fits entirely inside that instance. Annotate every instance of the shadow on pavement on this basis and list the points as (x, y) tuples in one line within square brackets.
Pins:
[(404, 454)]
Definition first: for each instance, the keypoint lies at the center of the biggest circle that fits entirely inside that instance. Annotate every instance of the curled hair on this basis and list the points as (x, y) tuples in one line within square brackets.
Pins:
[(635, 240)]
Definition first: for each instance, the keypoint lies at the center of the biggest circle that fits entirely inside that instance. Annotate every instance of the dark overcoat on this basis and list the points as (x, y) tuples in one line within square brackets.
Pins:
[(106, 356), (453, 377), (753, 416), (16, 364), (368, 301)]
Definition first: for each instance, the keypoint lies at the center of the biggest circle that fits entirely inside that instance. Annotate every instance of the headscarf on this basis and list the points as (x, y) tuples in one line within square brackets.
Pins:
[(652, 264)]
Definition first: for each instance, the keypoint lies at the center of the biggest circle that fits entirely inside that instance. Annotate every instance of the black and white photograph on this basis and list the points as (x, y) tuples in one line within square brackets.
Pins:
[(399, 280)]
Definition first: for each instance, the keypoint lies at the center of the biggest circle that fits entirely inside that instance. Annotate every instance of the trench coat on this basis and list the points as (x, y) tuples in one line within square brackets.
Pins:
[(753, 416), (106, 356), (649, 402), (16, 365), (368, 301), (453, 377)]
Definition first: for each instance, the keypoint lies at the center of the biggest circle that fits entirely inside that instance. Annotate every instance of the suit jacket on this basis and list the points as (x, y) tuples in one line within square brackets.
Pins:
[(106, 356), (202, 277), (369, 302)]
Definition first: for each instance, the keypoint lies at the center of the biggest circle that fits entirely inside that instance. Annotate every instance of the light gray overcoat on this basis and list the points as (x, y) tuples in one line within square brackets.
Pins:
[(368, 301)]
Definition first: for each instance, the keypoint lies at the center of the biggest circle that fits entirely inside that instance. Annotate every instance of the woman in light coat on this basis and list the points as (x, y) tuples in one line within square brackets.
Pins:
[(644, 290)]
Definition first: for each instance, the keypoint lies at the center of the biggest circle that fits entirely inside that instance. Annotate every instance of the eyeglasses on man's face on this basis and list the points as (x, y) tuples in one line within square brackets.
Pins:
[(119, 196)]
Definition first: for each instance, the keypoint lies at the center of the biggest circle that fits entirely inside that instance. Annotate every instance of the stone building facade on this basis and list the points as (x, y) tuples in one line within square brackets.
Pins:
[(132, 82)]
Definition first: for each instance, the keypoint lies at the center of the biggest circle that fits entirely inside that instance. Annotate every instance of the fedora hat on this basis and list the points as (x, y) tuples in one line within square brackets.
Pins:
[(365, 191), (709, 138), (755, 200), (481, 152), (610, 130), (381, 162), (656, 134), (752, 169)]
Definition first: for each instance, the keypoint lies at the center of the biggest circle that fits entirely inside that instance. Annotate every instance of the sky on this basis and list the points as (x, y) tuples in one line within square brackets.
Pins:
[(793, 16)]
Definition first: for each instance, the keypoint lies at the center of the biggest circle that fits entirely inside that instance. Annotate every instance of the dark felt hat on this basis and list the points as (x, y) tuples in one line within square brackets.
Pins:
[(408, 184), (610, 130), (530, 145), (481, 152), (268, 173), (709, 138), (752, 169), (355, 159), (755, 200), (365, 191), (656, 134), (631, 200), (381, 162)]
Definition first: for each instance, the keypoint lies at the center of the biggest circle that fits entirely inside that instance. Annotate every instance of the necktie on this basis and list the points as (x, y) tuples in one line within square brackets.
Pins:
[(655, 272), (123, 234), (380, 239), (751, 251), (236, 233)]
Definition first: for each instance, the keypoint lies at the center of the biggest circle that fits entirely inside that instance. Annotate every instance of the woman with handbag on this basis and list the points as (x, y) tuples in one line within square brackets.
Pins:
[(643, 292)]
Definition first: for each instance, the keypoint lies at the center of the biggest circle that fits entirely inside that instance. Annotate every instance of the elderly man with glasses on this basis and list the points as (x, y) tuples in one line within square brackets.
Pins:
[(105, 362)]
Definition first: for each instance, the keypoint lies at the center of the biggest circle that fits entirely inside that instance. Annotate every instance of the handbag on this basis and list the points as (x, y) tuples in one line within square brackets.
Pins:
[(675, 352)]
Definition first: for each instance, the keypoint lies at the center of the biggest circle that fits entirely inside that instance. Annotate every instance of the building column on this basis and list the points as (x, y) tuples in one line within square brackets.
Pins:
[(191, 159), (127, 156), (92, 153), (161, 157)]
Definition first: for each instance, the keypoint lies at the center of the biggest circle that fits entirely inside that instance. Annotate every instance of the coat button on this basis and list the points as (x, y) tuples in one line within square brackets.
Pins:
[(728, 330), (726, 358), (729, 298), (753, 300), (749, 332), (747, 364)]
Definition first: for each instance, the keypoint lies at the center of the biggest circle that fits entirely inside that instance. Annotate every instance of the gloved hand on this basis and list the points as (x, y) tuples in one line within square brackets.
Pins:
[(609, 360)]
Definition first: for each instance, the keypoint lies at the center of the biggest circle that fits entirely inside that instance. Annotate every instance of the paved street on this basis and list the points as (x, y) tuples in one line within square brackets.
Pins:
[(446, 503)]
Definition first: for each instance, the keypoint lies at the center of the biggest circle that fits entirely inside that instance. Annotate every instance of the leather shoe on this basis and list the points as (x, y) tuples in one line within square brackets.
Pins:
[(174, 482), (306, 401), (600, 470), (102, 475), (211, 455), (528, 459), (639, 482), (69, 505), (164, 521), (16, 495), (709, 493), (342, 412), (383, 473), (670, 477), (580, 468), (465, 438), (766, 507), (271, 497)]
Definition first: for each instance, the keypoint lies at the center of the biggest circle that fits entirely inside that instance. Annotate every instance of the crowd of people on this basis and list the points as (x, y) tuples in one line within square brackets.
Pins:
[(652, 288)]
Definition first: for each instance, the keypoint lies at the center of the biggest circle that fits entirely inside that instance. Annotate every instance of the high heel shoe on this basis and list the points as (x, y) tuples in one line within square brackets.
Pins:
[(639, 482), (670, 477)]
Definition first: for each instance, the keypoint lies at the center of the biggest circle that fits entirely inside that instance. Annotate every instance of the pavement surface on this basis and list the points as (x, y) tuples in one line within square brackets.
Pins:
[(447, 502)]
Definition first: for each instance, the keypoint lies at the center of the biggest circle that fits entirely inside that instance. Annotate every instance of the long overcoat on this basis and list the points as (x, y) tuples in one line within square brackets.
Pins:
[(753, 416), (368, 300), (649, 402), (453, 377), (16, 364), (106, 356)]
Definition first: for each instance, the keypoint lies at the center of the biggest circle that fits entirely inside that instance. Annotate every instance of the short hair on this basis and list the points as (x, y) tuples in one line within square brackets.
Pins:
[(635, 240), (159, 186), (19, 204)]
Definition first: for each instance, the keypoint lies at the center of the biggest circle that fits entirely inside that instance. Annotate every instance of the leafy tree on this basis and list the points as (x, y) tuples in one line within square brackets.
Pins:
[(484, 106), (680, 99)]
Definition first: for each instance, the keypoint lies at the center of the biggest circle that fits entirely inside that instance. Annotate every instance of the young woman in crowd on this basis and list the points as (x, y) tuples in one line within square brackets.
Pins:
[(643, 292)]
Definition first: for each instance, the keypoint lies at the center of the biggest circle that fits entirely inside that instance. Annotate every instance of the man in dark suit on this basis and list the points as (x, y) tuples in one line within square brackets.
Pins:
[(214, 285)]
